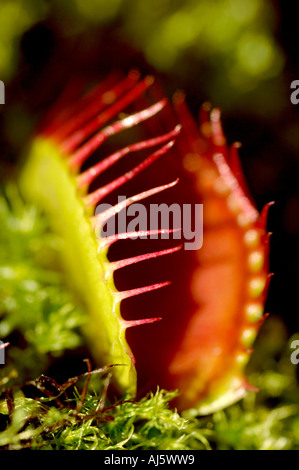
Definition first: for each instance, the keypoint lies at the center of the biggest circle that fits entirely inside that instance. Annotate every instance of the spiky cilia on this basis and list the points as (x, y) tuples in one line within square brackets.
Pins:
[(207, 365)]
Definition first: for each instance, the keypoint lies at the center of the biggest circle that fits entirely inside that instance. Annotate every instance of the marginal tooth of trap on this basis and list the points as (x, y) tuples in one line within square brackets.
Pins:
[(63, 111), (84, 179), (80, 155), (88, 176), (236, 165), (83, 132), (267, 284), (254, 312), (122, 295), (217, 131), (204, 120), (237, 200), (131, 323), (110, 96), (113, 266), (95, 106), (99, 220), (106, 242), (95, 197), (264, 215), (248, 386), (185, 117)]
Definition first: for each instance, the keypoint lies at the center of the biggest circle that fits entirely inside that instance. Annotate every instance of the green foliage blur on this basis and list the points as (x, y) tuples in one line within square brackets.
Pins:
[(227, 46), (34, 301)]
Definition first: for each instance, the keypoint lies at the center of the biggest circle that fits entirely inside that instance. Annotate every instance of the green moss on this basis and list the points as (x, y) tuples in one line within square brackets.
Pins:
[(37, 313), (41, 319)]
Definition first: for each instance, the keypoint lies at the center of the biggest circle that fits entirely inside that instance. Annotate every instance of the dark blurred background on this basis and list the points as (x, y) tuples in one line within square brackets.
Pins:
[(240, 55)]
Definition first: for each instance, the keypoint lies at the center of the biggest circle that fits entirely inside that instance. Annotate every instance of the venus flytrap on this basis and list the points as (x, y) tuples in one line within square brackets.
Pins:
[(230, 281)]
